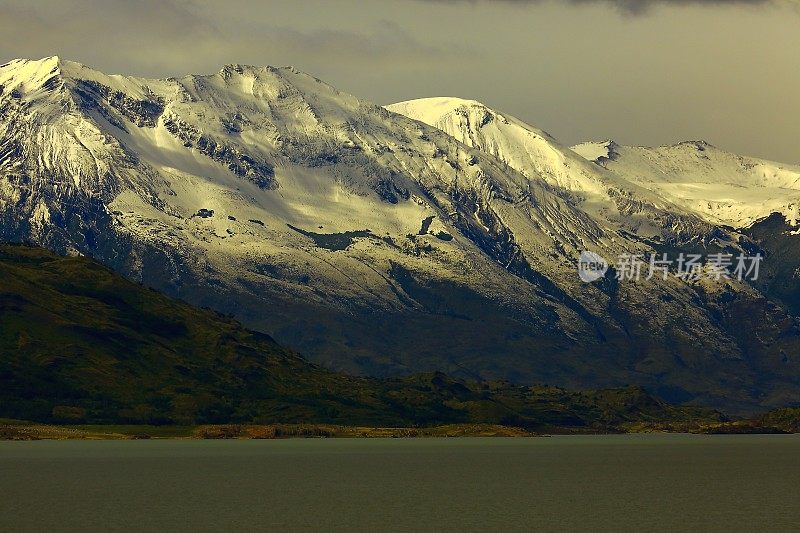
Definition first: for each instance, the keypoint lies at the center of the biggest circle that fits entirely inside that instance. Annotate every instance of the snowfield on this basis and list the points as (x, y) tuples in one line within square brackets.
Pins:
[(721, 187)]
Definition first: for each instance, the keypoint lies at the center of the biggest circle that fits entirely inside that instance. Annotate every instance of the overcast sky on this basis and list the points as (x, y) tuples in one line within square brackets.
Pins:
[(638, 71)]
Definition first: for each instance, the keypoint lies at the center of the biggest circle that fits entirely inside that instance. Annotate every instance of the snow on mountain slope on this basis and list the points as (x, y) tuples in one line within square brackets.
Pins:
[(253, 176), (537, 155), (721, 187), (370, 241), (531, 151)]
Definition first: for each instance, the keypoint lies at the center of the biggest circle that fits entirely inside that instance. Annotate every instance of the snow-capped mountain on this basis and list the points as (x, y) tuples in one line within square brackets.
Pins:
[(538, 156), (375, 242), (721, 187)]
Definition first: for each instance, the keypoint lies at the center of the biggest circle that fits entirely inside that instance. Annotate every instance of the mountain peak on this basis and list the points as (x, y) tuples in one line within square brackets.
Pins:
[(600, 151), (30, 66), (597, 152), (241, 68), (700, 145), (31, 76), (44, 62), (27, 77), (433, 109)]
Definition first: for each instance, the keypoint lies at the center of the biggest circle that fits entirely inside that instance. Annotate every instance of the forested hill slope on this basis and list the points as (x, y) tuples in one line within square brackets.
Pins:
[(79, 343)]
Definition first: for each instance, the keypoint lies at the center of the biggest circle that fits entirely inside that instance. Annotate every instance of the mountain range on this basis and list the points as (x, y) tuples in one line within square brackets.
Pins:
[(431, 235)]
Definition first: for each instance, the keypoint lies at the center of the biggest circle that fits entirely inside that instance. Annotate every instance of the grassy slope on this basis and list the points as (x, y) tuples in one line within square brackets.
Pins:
[(79, 344)]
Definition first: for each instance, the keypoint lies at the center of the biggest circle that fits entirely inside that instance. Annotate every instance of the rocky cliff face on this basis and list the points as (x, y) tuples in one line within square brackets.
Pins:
[(370, 241)]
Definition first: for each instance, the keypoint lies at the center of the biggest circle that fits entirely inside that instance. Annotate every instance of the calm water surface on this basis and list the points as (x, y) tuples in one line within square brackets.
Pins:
[(611, 483)]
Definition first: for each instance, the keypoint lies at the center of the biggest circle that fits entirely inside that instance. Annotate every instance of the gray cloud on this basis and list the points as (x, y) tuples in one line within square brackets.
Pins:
[(137, 33), (383, 42), (636, 7), (582, 69), (158, 37)]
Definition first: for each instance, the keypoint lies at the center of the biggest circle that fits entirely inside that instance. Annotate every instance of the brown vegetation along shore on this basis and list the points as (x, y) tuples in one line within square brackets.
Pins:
[(22, 430)]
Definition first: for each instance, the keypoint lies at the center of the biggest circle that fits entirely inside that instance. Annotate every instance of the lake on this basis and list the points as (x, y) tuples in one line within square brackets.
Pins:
[(610, 483)]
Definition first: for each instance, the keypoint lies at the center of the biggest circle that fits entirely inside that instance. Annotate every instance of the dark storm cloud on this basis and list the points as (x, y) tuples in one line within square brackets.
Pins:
[(635, 6), (643, 6)]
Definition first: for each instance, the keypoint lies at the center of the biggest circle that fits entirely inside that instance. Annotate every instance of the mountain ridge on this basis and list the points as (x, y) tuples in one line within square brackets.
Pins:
[(722, 187), (378, 243)]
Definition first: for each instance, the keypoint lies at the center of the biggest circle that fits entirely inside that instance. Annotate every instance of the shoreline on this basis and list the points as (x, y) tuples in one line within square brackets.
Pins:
[(18, 430)]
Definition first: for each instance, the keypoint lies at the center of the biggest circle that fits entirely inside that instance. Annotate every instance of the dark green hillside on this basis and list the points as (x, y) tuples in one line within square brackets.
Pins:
[(78, 343)]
